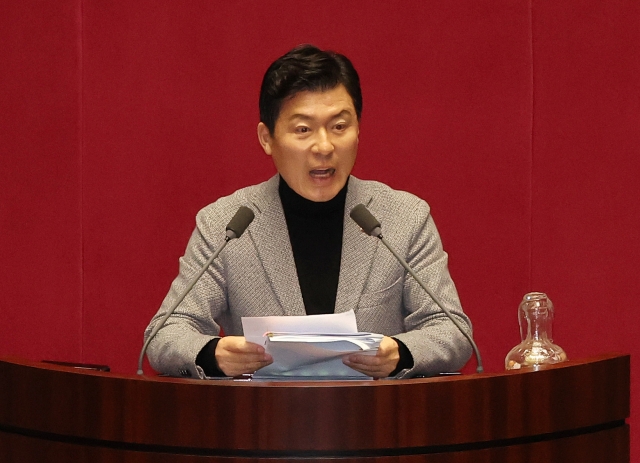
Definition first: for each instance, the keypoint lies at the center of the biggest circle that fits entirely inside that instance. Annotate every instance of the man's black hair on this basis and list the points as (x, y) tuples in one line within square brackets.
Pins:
[(306, 68)]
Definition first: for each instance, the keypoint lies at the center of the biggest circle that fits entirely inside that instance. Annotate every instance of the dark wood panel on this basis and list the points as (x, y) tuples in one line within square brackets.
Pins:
[(313, 416), (611, 446)]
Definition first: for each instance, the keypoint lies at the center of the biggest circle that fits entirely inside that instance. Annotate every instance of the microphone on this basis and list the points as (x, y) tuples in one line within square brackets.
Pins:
[(239, 223), (236, 227), (371, 226), (365, 220)]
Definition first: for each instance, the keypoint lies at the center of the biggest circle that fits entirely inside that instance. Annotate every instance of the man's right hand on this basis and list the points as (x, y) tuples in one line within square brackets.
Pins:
[(235, 356)]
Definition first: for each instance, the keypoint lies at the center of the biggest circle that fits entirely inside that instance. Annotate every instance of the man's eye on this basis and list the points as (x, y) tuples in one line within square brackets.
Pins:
[(302, 129), (341, 126)]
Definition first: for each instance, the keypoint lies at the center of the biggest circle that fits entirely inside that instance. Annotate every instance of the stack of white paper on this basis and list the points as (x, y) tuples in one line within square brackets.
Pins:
[(309, 346)]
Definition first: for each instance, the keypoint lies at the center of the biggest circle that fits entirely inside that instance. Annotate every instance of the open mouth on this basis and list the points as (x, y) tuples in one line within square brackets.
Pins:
[(322, 173)]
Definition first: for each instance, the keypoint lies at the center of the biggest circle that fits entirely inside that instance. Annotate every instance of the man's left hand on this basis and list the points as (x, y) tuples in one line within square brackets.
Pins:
[(379, 365)]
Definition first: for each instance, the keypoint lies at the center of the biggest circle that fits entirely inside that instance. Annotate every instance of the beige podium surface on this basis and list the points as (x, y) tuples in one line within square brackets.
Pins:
[(571, 412)]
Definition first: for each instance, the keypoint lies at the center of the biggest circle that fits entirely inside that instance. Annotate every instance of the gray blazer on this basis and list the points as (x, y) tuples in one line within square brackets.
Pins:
[(255, 275)]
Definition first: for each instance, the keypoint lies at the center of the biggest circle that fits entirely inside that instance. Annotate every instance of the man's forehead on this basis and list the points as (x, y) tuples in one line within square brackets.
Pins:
[(306, 104)]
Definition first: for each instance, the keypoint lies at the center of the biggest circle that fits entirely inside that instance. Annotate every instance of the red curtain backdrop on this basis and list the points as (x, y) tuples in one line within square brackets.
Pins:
[(519, 122)]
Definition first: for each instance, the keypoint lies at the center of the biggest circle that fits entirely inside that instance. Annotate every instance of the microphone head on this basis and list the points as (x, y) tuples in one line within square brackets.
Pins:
[(365, 220), (239, 222)]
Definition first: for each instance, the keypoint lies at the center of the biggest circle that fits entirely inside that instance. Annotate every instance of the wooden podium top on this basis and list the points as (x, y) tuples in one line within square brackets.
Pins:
[(312, 418)]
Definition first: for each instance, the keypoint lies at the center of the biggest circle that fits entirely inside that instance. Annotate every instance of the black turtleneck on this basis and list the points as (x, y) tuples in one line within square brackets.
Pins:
[(315, 233)]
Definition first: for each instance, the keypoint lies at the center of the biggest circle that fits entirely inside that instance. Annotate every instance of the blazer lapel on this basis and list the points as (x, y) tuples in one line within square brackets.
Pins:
[(358, 250), (271, 238)]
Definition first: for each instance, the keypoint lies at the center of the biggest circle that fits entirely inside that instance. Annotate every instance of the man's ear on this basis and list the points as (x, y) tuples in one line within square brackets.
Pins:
[(264, 137)]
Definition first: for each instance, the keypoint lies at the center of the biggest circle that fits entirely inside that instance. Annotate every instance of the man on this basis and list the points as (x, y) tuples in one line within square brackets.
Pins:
[(302, 254)]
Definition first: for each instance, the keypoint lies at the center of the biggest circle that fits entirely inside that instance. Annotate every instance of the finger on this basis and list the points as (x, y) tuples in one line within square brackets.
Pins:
[(374, 366), (242, 357), (240, 345), (365, 360), (367, 370), (249, 348), (355, 363), (235, 365)]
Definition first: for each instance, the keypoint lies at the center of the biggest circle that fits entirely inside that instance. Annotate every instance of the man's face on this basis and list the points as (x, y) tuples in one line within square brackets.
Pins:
[(315, 142)]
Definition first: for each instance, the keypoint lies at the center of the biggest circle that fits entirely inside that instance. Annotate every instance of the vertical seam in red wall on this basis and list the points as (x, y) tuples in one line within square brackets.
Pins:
[(531, 141), (81, 163)]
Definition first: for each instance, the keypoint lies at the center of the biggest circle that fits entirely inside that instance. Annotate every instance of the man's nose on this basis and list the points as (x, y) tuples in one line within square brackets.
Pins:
[(322, 143)]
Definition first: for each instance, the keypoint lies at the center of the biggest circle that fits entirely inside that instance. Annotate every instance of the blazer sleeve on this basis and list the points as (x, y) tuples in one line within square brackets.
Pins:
[(175, 347), (434, 341)]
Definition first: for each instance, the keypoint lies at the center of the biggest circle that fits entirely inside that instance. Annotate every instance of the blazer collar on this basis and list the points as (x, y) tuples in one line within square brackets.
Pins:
[(271, 240)]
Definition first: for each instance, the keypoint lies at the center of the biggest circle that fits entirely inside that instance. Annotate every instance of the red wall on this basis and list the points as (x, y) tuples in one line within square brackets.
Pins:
[(41, 305), (518, 122)]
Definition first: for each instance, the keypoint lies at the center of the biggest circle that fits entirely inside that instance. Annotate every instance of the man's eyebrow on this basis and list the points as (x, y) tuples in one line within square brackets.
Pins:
[(306, 117)]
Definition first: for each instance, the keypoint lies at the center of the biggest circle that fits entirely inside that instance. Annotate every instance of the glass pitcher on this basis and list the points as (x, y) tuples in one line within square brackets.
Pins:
[(535, 316)]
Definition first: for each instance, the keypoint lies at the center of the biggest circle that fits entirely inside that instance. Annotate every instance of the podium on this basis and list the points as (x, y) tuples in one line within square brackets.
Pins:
[(570, 412)]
